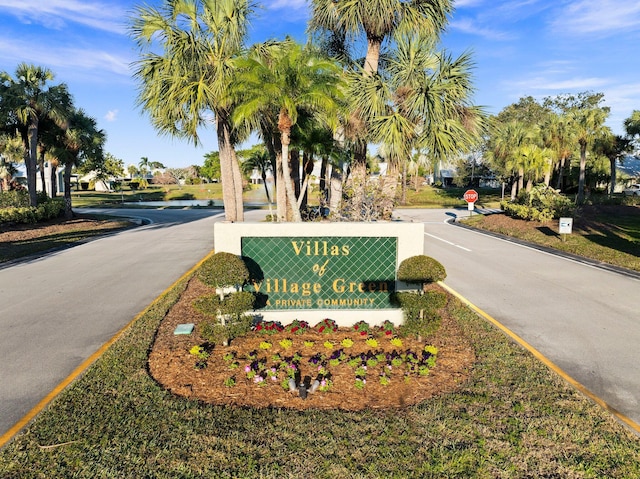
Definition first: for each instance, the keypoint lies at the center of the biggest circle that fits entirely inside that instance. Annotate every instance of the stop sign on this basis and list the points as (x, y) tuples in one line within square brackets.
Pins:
[(470, 196)]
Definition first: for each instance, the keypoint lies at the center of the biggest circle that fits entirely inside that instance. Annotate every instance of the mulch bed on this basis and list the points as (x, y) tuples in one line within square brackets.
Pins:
[(172, 365)]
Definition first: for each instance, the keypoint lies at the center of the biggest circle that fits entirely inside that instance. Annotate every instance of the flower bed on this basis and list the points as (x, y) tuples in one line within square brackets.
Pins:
[(354, 371)]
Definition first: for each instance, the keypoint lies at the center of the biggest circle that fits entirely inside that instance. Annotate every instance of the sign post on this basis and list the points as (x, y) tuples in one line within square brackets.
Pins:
[(470, 196), (566, 225)]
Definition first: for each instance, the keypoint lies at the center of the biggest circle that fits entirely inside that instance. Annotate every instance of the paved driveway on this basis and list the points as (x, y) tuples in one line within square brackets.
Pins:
[(586, 320), (58, 309)]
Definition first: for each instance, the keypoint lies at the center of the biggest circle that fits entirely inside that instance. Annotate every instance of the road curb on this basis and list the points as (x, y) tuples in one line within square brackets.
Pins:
[(574, 257), (82, 367), (635, 427)]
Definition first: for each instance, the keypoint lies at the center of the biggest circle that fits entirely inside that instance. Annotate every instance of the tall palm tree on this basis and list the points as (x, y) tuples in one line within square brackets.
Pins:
[(505, 147), (557, 137), (286, 78), (260, 160), (376, 22), (422, 103), (80, 140), (188, 84), (143, 166), (613, 147), (30, 99), (588, 124), (632, 124)]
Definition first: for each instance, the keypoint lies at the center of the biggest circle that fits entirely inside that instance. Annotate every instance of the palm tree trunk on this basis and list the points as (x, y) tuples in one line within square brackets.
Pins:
[(294, 162), (281, 191), (54, 181), (237, 185), (583, 167), (324, 192), (373, 56), (335, 188), (227, 175), (307, 169), (286, 173), (613, 176), (31, 162), (68, 211), (520, 179)]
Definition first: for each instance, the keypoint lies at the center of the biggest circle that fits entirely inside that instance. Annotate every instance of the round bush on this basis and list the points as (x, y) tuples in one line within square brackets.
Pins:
[(223, 270), (421, 269)]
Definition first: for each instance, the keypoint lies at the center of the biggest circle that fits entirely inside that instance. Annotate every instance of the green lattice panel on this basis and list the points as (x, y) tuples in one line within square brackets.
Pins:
[(322, 272)]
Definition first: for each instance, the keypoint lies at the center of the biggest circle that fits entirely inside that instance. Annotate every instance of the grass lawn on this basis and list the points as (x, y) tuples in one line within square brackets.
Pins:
[(429, 197), (23, 240), (606, 233), (207, 191), (512, 418)]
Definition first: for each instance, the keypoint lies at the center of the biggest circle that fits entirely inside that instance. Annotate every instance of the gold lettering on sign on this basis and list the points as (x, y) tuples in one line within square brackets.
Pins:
[(319, 248)]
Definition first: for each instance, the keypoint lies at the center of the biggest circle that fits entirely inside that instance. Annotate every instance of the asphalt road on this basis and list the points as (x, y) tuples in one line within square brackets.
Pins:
[(59, 309), (584, 319)]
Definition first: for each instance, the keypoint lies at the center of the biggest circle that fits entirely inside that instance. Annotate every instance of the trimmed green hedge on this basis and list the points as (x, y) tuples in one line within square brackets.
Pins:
[(27, 214), (224, 270), (421, 269)]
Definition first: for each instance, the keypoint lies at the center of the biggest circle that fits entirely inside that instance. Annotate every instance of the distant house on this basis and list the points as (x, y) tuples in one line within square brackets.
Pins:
[(629, 166)]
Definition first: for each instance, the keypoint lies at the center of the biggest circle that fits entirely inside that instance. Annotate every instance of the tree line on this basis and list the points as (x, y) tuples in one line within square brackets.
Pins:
[(324, 97), (39, 124), (532, 142)]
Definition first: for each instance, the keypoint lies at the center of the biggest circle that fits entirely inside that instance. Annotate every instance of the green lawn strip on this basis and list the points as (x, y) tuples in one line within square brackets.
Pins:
[(429, 197), (209, 191), (513, 418), (18, 249), (614, 241)]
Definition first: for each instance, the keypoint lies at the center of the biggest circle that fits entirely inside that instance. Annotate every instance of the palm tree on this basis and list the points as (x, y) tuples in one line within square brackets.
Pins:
[(423, 103), (143, 166), (260, 160), (632, 124), (30, 99), (188, 84), (80, 140), (613, 147), (588, 124), (505, 148), (557, 137), (286, 77), (376, 22), (11, 152)]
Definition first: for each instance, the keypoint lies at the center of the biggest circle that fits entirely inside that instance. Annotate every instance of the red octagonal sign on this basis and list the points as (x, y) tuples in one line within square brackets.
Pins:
[(470, 196)]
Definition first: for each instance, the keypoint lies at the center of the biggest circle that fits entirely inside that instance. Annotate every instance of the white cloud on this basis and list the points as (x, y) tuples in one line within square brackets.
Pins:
[(468, 26), (288, 4), (561, 86), (111, 115), (608, 17), (57, 14), (95, 62)]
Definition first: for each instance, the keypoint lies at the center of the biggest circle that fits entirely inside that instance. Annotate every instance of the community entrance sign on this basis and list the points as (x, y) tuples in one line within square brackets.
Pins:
[(323, 272), (310, 271)]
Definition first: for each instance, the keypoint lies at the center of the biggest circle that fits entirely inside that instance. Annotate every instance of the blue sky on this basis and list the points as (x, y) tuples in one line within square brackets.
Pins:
[(521, 47)]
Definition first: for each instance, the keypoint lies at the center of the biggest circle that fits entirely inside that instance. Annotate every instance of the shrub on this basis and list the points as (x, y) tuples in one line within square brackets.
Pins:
[(230, 319), (234, 305), (421, 269), (542, 203), (413, 304), (46, 209), (224, 270), (14, 199), (424, 326)]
